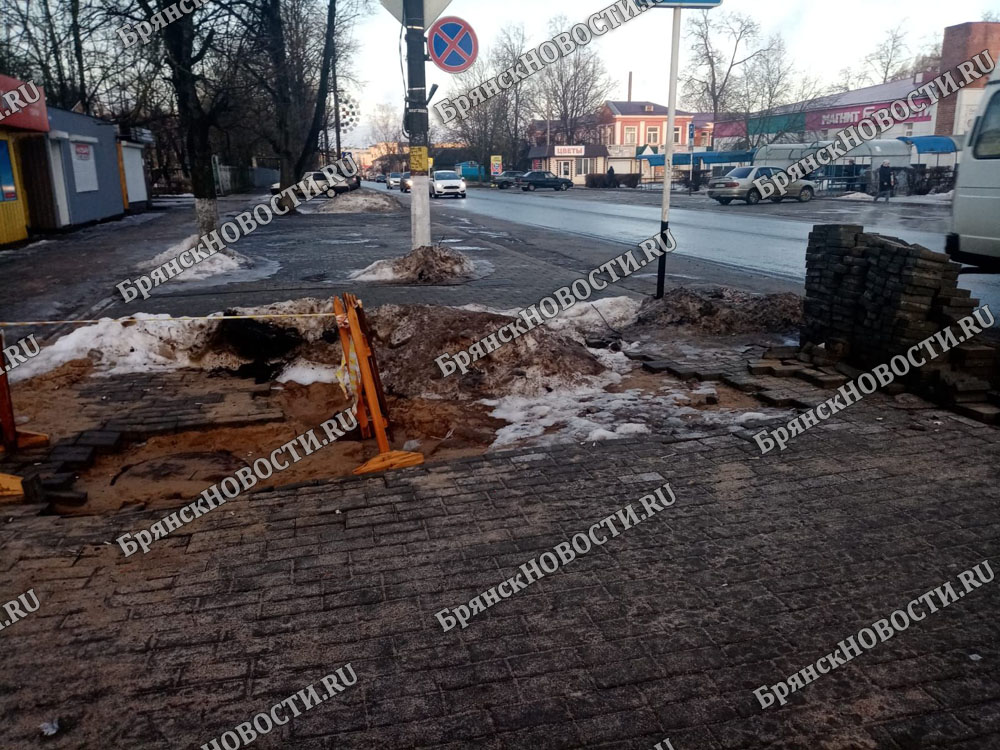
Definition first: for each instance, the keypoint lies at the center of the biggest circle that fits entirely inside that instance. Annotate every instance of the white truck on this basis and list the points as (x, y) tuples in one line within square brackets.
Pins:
[(975, 236)]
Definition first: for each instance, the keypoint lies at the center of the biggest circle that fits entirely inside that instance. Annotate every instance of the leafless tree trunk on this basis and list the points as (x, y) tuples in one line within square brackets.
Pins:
[(721, 45)]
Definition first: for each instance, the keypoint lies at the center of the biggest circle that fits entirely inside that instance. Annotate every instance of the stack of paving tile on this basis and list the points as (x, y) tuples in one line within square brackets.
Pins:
[(870, 297)]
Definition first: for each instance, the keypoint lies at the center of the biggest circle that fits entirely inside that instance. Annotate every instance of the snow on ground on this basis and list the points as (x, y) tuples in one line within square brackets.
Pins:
[(155, 342), (380, 270), (361, 201), (935, 199), (590, 413), (425, 265), (160, 343), (597, 317), (304, 372), (214, 265)]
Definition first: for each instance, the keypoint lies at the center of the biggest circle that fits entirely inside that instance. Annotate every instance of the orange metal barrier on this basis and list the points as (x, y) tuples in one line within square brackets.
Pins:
[(373, 409)]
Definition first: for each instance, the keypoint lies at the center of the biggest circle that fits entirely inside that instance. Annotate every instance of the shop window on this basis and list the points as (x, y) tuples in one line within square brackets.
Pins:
[(84, 166), (565, 168), (8, 190)]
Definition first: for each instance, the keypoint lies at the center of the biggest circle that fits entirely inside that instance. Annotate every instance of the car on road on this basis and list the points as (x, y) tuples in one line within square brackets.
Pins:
[(506, 179), (531, 181), (738, 185), (406, 183), (394, 180), (975, 209), (380, 178), (447, 182)]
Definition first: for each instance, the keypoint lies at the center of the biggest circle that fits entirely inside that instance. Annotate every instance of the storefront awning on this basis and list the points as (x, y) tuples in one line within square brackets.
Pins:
[(932, 144), (705, 157)]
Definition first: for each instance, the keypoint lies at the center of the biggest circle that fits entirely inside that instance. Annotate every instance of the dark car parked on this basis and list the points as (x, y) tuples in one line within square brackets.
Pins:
[(531, 181), (506, 180)]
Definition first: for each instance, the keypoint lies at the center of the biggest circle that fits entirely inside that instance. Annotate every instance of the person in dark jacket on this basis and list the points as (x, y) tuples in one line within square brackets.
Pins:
[(886, 181), (611, 177)]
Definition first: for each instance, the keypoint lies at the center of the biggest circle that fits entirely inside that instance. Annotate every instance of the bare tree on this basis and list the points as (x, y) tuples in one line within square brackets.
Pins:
[(515, 112), (771, 99), (888, 61), (573, 89), (482, 129), (722, 45), (991, 16), (850, 79), (387, 124)]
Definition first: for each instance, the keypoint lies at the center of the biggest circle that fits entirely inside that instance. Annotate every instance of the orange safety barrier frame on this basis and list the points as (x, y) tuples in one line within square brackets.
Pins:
[(373, 409), (11, 438)]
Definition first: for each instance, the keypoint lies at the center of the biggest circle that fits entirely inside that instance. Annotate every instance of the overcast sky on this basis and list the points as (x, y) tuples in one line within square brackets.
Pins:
[(825, 36)]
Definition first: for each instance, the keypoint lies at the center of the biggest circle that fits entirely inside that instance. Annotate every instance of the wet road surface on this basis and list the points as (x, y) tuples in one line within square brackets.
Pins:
[(763, 238)]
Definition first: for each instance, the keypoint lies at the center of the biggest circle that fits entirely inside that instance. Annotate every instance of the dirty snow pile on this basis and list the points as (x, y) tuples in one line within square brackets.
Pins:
[(222, 262), (600, 317), (425, 265), (723, 311), (152, 343), (408, 339), (155, 343), (359, 202)]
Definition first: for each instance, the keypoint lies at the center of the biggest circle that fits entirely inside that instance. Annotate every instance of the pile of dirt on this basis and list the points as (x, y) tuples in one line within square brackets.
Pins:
[(723, 311), (360, 202), (409, 338), (425, 265)]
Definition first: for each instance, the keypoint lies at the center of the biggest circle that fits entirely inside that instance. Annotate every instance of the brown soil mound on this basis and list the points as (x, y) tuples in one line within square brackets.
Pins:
[(425, 265), (723, 311), (409, 338)]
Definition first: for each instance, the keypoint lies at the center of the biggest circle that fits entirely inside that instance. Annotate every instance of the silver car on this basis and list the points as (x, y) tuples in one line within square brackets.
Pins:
[(394, 181), (738, 185)]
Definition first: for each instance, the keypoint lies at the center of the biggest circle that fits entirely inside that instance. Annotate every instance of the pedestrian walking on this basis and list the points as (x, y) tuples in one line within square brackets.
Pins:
[(886, 181), (612, 182)]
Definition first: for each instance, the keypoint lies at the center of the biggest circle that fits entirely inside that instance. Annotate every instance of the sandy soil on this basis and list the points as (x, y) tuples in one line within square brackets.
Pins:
[(167, 471), (546, 373), (50, 404)]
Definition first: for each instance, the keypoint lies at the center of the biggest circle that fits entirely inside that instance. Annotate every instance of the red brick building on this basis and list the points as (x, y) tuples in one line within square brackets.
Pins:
[(963, 42)]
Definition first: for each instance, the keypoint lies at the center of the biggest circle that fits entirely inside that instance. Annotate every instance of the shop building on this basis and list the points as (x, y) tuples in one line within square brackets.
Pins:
[(18, 131)]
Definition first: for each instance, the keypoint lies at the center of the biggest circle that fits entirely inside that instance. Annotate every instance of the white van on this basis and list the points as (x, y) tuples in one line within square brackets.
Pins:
[(975, 236)]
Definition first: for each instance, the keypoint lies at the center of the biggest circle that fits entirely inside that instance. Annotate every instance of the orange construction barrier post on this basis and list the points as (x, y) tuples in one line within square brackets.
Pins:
[(371, 395), (10, 437), (344, 329)]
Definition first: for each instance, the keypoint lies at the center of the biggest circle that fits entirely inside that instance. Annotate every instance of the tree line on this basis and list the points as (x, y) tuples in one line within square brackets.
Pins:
[(239, 78)]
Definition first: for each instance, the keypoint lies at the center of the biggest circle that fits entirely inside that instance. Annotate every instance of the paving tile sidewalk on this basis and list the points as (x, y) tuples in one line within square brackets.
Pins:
[(763, 565)]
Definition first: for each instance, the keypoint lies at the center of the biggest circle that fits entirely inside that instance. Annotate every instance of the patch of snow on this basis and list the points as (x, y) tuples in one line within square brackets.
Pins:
[(304, 372), (380, 270), (120, 348), (214, 265)]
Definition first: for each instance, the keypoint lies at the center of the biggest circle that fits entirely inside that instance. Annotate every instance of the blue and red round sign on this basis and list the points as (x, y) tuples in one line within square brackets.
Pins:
[(452, 44)]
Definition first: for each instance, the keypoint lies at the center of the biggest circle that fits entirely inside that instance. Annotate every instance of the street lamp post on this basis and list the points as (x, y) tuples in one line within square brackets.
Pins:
[(668, 155)]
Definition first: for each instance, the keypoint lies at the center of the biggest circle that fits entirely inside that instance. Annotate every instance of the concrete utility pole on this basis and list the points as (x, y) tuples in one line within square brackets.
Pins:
[(668, 154), (417, 123)]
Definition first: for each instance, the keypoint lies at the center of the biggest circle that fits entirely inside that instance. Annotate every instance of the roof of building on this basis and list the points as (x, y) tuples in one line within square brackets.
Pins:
[(591, 151), (932, 144), (878, 94), (636, 109)]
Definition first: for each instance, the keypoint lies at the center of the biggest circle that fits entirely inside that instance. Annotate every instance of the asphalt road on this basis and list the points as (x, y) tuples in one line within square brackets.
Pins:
[(767, 238)]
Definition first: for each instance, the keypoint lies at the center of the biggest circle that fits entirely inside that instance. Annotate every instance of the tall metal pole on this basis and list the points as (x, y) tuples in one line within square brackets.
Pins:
[(417, 123), (668, 155)]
